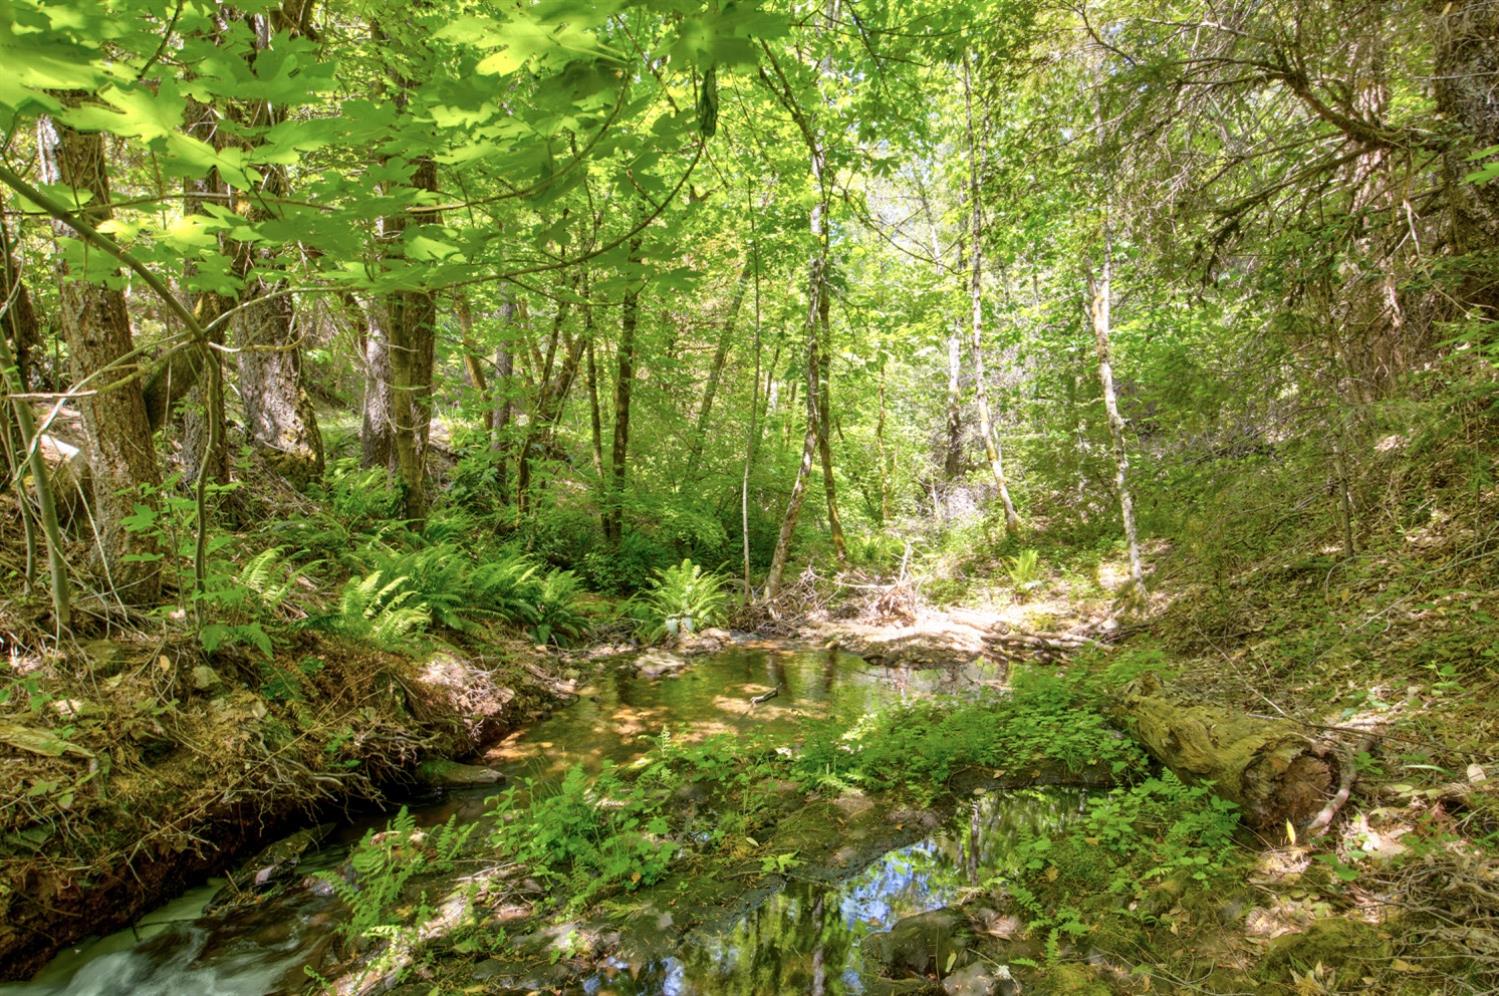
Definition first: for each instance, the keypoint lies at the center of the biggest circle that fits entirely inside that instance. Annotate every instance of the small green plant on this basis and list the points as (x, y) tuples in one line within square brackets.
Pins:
[(386, 613), (384, 863), (594, 834), (559, 613), (1025, 571), (684, 599)]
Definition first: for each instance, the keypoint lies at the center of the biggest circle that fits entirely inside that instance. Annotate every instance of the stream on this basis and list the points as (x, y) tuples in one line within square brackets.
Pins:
[(801, 938)]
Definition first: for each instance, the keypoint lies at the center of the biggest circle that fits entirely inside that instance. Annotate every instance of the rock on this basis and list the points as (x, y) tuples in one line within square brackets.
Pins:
[(927, 943), (205, 678), (267, 868), (656, 663), (979, 979), (448, 688), (444, 773)]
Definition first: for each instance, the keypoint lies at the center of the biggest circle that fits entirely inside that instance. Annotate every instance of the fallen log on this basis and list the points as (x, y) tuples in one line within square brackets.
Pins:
[(1270, 768)]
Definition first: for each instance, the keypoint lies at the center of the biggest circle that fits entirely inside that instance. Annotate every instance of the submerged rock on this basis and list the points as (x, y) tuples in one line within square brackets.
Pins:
[(444, 773), (272, 866), (656, 663), (927, 943)]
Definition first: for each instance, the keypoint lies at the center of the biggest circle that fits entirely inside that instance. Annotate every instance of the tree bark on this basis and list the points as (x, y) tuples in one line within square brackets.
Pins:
[(715, 371), (279, 417), (376, 426), (992, 448), (96, 324), (412, 345), (471, 362), (1466, 66), (952, 456), (504, 391), (624, 381), (29, 453), (1100, 296), (204, 446), (1270, 768), (18, 322)]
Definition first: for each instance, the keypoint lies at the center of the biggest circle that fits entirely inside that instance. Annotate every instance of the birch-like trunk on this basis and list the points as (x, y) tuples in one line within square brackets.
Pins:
[(1100, 293), (992, 448)]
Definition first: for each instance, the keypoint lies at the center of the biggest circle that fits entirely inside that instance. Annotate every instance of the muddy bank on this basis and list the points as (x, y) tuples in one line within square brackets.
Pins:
[(176, 765)]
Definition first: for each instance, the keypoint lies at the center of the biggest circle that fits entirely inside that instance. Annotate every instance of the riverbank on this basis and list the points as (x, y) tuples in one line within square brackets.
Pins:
[(179, 764)]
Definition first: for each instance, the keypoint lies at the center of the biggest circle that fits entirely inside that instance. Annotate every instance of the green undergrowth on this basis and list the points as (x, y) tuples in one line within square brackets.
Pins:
[(686, 802)]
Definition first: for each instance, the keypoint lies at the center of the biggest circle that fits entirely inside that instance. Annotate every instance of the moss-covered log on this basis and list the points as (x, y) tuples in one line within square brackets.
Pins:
[(1269, 767)]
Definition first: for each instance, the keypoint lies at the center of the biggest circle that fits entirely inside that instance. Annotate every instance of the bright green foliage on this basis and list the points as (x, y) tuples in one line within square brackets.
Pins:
[(683, 599), (593, 834), (387, 613), (384, 863), (1134, 853), (1025, 571), (1044, 728), (559, 613)]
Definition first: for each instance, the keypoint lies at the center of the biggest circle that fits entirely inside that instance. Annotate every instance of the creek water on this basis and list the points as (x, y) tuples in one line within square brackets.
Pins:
[(800, 938)]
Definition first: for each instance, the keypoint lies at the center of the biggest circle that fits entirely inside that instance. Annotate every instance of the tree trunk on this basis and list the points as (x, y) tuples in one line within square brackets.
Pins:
[(882, 453), (279, 418), (1270, 768), (715, 372), (952, 457), (412, 336), (18, 322), (96, 324), (376, 428), (992, 448), (471, 362), (1100, 295), (29, 453), (1466, 66), (504, 391), (204, 446), (624, 380)]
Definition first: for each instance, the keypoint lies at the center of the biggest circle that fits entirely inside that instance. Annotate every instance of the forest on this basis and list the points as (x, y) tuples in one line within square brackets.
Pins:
[(749, 496)]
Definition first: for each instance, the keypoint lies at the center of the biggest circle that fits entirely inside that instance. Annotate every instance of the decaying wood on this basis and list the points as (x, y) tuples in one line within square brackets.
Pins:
[(1270, 768), (1046, 648)]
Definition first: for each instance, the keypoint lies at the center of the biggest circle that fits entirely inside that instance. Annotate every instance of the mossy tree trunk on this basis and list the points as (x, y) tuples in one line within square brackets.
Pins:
[(1270, 768)]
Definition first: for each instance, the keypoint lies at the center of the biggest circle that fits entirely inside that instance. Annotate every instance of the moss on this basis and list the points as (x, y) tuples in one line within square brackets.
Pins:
[(1350, 949)]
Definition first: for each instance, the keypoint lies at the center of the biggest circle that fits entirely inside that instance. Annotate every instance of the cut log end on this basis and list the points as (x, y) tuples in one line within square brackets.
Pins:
[(1270, 768), (1277, 792)]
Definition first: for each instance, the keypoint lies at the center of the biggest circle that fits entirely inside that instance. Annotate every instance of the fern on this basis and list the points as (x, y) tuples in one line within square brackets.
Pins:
[(386, 613), (1025, 571), (684, 598), (385, 862), (268, 577), (508, 589), (559, 614)]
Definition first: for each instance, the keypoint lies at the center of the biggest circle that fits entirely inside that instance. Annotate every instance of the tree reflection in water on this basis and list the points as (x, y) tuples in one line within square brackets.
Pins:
[(806, 938)]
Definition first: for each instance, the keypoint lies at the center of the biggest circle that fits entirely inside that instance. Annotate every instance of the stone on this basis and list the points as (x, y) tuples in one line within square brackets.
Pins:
[(927, 943), (441, 772), (980, 979), (656, 663), (205, 678)]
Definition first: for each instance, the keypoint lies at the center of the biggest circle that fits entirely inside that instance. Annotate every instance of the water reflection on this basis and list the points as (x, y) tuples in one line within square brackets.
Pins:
[(807, 938), (618, 713), (802, 936)]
